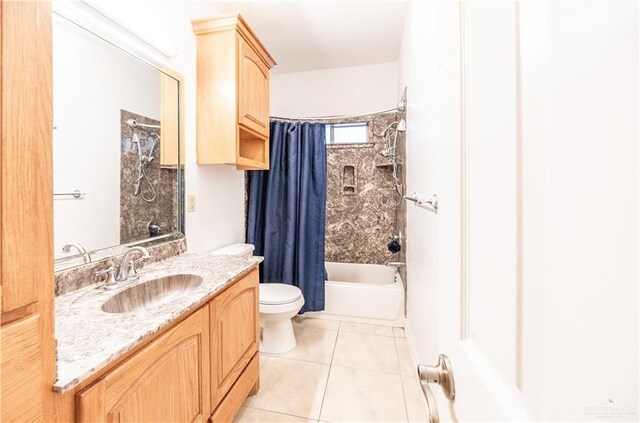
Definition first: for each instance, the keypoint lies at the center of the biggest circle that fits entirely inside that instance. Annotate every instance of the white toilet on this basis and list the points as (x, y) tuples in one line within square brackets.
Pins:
[(279, 302)]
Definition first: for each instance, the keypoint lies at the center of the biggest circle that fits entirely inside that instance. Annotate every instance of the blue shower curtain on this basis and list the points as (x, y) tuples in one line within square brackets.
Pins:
[(286, 210)]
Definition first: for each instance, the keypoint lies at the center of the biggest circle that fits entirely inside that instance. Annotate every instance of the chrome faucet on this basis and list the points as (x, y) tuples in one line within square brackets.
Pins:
[(127, 268), (86, 257)]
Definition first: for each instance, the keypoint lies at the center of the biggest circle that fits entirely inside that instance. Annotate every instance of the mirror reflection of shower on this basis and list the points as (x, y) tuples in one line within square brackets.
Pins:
[(143, 161), (391, 148)]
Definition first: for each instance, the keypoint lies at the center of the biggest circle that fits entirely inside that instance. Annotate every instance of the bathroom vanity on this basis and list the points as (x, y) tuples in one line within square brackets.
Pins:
[(189, 357)]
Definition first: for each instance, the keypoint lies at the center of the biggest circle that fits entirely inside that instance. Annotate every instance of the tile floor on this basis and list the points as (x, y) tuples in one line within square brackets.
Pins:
[(338, 372)]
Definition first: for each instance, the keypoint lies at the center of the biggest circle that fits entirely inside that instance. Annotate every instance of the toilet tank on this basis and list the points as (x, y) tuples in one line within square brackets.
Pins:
[(235, 250)]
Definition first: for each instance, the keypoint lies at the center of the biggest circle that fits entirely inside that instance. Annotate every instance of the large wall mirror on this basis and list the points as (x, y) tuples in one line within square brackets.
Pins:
[(118, 174)]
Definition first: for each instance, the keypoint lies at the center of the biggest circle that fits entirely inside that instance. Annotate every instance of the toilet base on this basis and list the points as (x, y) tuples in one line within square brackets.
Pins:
[(277, 336)]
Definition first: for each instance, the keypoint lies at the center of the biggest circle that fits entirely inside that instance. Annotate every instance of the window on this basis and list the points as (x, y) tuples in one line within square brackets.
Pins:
[(347, 133)]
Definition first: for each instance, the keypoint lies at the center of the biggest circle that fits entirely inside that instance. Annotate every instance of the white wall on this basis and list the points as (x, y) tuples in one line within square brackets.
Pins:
[(88, 96), (341, 91), (429, 68), (219, 189)]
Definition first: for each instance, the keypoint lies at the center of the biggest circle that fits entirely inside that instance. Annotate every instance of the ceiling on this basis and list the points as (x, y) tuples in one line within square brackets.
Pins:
[(312, 35)]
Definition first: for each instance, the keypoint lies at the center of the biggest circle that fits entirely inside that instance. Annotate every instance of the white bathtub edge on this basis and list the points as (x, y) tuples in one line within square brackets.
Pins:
[(353, 319)]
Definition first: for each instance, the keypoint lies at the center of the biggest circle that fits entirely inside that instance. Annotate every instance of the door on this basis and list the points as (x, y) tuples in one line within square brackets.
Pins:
[(253, 90), (235, 334), (165, 382), (540, 320), (480, 330)]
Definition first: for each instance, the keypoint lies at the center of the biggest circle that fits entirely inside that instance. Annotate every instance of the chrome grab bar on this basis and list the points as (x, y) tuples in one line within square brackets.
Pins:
[(441, 374), (430, 203), (75, 194)]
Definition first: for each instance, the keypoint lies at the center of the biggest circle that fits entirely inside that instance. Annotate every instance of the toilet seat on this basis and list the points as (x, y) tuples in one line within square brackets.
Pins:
[(278, 293)]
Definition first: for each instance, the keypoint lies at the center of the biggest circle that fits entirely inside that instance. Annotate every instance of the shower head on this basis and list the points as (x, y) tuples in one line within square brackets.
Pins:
[(386, 130), (132, 123), (402, 125), (155, 138), (135, 139)]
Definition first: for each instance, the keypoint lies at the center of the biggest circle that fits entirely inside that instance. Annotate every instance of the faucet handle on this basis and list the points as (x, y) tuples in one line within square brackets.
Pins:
[(111, 279), (133, 272)]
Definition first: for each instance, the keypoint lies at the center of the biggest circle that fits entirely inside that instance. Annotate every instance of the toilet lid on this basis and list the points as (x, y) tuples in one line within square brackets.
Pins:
[(278, 293)]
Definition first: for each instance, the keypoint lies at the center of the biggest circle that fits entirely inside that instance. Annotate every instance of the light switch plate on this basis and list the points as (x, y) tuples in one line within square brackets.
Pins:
[(191, 203)]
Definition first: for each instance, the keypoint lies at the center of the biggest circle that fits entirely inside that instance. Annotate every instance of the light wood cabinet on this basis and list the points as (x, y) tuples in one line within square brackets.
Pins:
[(202, 368), (232, 121), (235, 334), (166, 381), (253, 90), (26, 125), (21, 369), (27, 367)]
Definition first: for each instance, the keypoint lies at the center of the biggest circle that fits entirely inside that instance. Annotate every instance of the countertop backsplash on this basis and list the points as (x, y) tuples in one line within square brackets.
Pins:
[(69, 280)]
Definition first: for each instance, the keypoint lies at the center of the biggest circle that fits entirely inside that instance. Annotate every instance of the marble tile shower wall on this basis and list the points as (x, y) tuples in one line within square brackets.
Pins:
[(363, 208), (135, 212)]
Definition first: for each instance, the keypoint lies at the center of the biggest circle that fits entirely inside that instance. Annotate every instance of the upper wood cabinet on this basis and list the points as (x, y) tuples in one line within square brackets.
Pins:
[(253, 90), (166, 381), (232, 122)]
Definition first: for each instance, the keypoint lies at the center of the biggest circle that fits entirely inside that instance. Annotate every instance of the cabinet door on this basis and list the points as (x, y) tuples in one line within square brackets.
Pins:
[(165, 382), (253, 90), (235, 334), (22, 373)]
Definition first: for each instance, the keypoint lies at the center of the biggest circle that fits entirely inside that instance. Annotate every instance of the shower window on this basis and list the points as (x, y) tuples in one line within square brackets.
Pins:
[(347, 133)]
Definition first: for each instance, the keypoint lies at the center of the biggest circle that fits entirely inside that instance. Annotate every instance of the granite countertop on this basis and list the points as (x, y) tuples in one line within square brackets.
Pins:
[(88, 339)]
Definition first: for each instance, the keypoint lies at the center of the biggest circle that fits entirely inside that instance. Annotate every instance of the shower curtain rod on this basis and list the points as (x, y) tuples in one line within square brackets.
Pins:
[(336, 116), (134, 124), (400, 107)]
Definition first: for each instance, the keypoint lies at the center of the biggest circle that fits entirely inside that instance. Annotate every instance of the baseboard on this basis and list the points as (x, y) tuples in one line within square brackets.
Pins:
[(354, 319), (412, 346)]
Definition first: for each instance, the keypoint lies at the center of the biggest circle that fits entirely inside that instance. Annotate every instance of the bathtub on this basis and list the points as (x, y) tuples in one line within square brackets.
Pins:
[(364, 293)]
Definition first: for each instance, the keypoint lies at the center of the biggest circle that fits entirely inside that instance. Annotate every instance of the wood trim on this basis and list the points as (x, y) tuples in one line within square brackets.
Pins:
[(231, 21), (244, 386), (172, 120), (18, 313)]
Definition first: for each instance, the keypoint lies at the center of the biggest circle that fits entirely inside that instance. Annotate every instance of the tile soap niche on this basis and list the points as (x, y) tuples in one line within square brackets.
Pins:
[(349, 180)]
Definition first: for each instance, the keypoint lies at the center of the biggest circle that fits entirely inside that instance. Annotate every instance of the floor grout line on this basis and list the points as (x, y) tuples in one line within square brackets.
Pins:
[(301, 359), (278, 412), (404, 394), (326, 386)]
